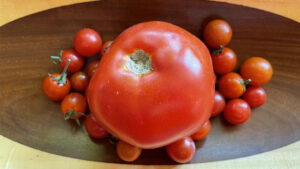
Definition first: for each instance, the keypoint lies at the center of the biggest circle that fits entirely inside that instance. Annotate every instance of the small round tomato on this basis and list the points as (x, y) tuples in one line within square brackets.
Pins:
[(225, 61), (203, 132), (237, 111), (87, 42), (55, 89), (217, 33), (219, 104), (258, 69), (106, 46), (128, 152), (182, 150), (255, 96), (76, 61), (91, 68), (93, 128), (231, 85), (79, 81), (57, 86), (73, 106)]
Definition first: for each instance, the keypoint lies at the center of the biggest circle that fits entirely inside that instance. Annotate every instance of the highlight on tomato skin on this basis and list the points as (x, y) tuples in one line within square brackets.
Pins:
[(182, 150)]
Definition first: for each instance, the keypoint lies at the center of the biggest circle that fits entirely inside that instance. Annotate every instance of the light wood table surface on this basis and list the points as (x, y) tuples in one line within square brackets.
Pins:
[(17, 156)]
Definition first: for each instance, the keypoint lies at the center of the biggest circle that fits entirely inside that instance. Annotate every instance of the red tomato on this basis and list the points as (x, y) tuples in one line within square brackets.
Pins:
[(73, 106), (224, 62), (91, 68), (258, 69), (128, 152), (182, 151), (55, 90), (87, 42), (106, 46), (57, 86), (93, 128), (219, 104), (76, 61), (237, 111), (255, 96), (132, 95), (231, 85), (217, 33), (203, 132), (79, 81)]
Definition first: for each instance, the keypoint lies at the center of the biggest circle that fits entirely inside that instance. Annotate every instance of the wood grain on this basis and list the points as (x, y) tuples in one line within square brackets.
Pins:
[(28, 47)]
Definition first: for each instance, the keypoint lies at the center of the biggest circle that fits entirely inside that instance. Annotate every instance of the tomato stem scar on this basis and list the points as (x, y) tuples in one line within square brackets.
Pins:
[(139, 62)]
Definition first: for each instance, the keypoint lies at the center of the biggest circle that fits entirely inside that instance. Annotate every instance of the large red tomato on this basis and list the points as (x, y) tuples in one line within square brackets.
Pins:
[(154, 86)]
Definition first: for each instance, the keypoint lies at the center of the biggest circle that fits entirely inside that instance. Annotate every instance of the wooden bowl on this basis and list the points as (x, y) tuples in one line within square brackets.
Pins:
[(26, 45)]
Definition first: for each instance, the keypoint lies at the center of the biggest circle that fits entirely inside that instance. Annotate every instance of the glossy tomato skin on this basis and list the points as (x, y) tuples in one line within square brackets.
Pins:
[(203, 132), (217, 33), (237, 111), (53, 90), (74, 101), (225, 62), (255, 96), (155, 109), (219, 104), (76, 60), (182, 150), (87, 42), (258, 69), (91, 68), (79, 81), (93, 128), (231, 85)]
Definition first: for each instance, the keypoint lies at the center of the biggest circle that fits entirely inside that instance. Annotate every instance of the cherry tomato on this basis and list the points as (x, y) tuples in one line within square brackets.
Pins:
[(258, 69), (55, 90), (79, 81), (203, 132), (219, 104), (217, 33), (224, 62), (76, 61), (128, 152), (73, 106), (147, 92), (87, 42), (57, 86), (93, 128), (237, 111), (91, 68), (231, 85), (255, 96), (182, 150), (106, 46)]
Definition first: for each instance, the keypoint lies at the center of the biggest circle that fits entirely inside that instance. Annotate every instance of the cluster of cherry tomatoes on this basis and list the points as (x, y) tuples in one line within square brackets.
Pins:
[(242, 90)]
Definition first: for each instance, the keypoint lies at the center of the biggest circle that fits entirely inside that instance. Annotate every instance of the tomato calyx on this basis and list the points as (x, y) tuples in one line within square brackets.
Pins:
[(57, 59), (245, 83), (61, 79), (139, 62), (71, 114), (218, 51)]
